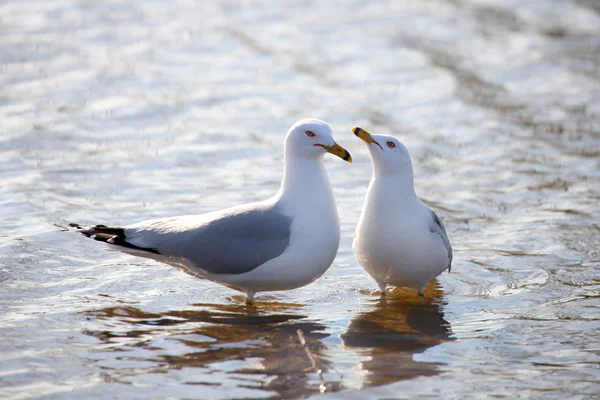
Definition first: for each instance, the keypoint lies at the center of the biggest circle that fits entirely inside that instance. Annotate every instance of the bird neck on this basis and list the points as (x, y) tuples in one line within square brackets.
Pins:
[(401, 182), (401, 179), (305, 181)]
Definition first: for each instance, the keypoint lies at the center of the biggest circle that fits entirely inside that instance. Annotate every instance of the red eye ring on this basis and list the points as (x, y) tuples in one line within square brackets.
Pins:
[(391, 144), (310, 134)]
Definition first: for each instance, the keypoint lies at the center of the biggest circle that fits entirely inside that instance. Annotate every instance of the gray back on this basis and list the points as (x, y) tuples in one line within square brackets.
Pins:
[(436, 226), (235, 243)]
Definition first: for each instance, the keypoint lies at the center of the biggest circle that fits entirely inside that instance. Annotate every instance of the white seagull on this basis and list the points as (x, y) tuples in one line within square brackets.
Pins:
[(399, 241), (281, 243)]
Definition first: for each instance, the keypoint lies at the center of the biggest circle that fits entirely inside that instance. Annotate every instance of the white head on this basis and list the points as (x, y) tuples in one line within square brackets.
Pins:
[(389, 156), (311, 138)]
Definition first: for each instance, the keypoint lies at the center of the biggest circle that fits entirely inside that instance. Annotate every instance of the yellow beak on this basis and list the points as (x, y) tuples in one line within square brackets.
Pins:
[(364, 136), (337, 150)]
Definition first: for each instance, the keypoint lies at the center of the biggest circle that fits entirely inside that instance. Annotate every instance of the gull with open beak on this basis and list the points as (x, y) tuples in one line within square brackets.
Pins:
[(281, 243), (399, 240)]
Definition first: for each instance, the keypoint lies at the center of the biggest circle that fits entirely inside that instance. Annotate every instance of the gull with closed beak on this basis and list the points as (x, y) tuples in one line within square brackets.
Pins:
[(281, 243), (399, 241)]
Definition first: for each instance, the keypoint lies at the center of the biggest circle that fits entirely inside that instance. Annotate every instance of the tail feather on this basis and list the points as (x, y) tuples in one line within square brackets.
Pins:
[(110, 235)]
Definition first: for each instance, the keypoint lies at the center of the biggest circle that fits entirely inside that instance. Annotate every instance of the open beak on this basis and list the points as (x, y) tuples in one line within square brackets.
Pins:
[(365, 136), (337, 150)]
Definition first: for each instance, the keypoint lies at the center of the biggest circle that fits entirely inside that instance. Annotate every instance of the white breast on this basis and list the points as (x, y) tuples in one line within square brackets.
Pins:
[(393, 241), (314, 239)]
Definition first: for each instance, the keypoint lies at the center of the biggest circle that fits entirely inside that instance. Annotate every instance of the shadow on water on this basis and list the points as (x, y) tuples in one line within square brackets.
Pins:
[(261, 344), (397, 327)]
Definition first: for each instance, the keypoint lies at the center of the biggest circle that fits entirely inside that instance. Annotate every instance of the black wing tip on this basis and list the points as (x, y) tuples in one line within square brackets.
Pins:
[(109, 235), (119, 240)]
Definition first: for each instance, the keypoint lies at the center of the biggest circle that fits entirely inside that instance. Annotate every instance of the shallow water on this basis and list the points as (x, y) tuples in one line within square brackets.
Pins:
[(115, 111)]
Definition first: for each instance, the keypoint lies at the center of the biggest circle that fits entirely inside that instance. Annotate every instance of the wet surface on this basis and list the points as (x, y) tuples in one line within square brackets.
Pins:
[(113, 112)]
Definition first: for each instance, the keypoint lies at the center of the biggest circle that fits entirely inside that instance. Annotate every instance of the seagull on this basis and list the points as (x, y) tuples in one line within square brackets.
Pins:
[(281, 243), (399, 241)]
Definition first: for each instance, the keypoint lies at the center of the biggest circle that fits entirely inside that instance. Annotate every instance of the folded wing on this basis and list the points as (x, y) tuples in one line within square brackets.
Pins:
[(436, 226), (236, 241)]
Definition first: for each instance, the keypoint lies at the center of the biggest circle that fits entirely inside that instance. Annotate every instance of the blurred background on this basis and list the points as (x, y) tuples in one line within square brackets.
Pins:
[(118, 111)]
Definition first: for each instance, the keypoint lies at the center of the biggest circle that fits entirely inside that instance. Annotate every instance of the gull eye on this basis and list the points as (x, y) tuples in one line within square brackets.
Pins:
[(310, 134), (391, 144)]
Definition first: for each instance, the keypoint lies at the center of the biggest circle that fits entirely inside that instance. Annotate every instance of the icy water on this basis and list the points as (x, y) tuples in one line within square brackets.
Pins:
[(113, 112)]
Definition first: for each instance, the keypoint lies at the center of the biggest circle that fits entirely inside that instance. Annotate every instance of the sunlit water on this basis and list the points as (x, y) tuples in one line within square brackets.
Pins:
[(112, 112)]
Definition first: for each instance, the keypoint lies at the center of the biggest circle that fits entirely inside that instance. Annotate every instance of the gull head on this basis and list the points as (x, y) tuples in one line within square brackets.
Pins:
[(389, 155), (311, 138)]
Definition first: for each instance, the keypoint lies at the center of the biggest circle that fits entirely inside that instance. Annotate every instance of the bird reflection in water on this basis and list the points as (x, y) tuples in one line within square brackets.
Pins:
[(397, 327), (261, 343)]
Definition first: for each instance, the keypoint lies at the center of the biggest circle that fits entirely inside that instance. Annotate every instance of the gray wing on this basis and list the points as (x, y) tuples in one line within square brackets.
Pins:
[(436, 226), (234, 243)]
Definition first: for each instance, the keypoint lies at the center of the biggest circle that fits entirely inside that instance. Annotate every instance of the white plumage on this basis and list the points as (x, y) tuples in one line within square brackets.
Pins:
[(399, 240), (282, 243)]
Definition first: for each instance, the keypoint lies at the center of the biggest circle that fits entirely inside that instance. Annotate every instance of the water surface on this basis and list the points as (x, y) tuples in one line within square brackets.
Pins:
[(112, 112)]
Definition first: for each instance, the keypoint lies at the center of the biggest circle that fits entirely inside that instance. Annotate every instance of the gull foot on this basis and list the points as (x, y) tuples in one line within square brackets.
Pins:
[(250, 298)]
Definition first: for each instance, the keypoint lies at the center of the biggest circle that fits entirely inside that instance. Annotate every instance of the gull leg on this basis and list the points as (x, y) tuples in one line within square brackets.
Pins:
[(382, 286), (250, 298), (421, 291)]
